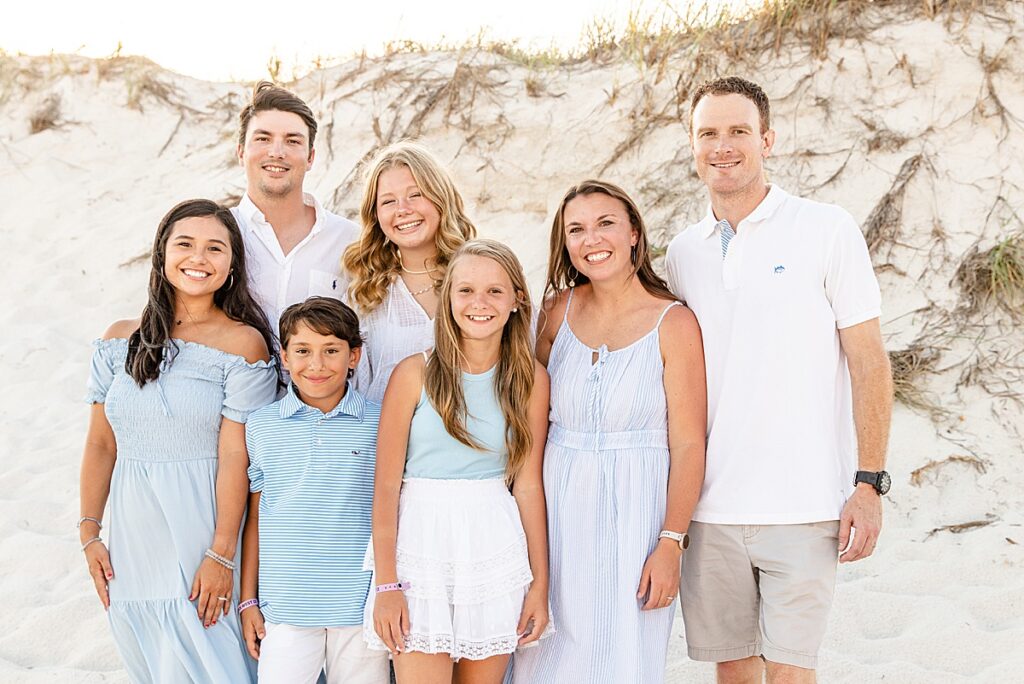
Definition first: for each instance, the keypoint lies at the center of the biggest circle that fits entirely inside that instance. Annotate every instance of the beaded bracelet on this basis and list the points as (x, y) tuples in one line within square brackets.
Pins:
[(247, 604), (81, 520), (86, 544), (217, 558), (397, 586)]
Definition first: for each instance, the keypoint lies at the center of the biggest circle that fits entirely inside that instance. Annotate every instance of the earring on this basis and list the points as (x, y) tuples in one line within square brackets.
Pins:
[(231, 279), (632, 254), (572, 278), (515, 310), (351, 372)]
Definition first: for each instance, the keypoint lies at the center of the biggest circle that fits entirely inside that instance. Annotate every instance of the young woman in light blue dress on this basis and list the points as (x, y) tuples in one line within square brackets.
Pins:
[(170, 393), (624, 460)]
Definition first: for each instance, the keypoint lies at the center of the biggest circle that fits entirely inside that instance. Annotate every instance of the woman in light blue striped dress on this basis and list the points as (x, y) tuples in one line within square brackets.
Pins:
[(624, 460)]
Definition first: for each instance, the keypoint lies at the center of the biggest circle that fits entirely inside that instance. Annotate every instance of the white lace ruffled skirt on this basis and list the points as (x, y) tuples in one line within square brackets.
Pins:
[(462, 549)]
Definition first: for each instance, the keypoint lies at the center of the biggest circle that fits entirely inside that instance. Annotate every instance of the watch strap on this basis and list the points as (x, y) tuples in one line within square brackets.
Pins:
[(681, 538)]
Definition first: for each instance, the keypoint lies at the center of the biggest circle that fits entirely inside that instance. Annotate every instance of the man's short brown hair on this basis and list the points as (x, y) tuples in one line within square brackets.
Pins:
[(326, 316), (734, 85), (267, 97)]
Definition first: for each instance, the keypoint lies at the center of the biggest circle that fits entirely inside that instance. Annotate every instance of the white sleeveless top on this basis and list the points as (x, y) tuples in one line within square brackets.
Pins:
[(397, 328)]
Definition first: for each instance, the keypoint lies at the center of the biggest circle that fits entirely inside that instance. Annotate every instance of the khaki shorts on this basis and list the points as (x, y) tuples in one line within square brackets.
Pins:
[(759, 590)]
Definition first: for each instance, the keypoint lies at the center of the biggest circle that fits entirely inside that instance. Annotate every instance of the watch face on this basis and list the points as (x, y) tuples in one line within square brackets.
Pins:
[(884, 482)]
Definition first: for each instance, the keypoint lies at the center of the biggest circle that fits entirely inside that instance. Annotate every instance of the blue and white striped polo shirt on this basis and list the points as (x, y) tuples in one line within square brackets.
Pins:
[(315, 472)]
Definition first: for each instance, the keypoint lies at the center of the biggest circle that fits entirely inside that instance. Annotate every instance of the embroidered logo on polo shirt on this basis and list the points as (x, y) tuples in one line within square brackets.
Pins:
[(779, 270)]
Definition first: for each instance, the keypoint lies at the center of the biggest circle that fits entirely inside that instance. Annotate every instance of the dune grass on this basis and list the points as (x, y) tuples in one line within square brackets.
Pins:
[(995, 276)]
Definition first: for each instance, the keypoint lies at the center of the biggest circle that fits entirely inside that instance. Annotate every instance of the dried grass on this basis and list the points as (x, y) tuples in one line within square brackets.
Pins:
[(140, 258), (883, 223), (47, 116), (908, 368), (994, 276), (959, 528), (929, 470)]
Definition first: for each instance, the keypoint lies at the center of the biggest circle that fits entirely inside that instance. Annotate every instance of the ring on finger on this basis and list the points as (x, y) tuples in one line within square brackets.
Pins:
[(223, 598)]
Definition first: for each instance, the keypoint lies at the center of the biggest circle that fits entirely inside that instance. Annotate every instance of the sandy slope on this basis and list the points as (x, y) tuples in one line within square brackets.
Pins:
[(79, 201)]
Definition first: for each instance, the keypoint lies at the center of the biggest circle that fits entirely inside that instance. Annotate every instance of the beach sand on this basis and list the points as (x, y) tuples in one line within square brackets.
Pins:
[(914, 126)]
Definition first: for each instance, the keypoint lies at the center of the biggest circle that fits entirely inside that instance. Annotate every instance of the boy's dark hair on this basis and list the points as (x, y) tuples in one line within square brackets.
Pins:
[(734, 85), (326, 316), (267, 97)]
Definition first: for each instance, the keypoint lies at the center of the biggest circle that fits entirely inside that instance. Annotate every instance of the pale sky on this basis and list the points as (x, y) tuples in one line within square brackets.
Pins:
[(234, 41)]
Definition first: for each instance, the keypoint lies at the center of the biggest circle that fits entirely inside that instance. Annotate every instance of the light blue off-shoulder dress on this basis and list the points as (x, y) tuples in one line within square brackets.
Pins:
[(162, 506)]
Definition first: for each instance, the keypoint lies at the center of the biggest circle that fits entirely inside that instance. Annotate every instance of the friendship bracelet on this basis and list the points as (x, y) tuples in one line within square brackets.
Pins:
[(86, 544), (397, 586), (217, 558), (248, 604), (90, 519)]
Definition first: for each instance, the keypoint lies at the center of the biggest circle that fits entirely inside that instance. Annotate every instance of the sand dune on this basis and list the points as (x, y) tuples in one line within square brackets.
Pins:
[(913, 124)]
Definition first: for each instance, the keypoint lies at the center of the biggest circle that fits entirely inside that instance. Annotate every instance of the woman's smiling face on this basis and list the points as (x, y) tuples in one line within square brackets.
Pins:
[(406, 216), (599, 236), (197, 256)]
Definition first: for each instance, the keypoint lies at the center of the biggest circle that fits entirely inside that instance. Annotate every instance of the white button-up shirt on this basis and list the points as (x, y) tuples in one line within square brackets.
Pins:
[(312, 267)]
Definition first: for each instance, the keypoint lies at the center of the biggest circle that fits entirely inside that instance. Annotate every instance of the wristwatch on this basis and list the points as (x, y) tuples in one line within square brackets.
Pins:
[(880, 480), (682, 538)]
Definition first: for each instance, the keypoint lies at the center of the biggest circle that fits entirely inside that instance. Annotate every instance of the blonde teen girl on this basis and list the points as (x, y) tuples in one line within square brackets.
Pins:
[(459, 535), (413, 221)]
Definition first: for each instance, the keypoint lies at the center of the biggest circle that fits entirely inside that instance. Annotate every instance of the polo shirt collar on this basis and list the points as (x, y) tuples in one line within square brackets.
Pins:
[(762, 212), (255, 218), (352, 404)]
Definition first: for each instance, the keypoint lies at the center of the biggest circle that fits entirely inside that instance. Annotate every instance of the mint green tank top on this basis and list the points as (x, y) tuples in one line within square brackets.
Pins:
[(434, 454)]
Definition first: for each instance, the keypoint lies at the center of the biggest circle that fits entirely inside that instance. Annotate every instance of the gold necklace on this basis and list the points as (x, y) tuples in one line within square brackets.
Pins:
[(401, 262)]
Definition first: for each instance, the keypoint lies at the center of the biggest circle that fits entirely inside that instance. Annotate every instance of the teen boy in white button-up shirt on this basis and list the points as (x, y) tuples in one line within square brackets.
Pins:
[(293, 245), (799, 398)]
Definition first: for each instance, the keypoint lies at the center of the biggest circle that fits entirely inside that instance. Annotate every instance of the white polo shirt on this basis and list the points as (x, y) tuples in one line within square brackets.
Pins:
[(781, 442), (313, 267)]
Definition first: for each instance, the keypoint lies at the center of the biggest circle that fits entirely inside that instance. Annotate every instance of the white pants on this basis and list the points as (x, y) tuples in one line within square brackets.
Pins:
[(295, 655)]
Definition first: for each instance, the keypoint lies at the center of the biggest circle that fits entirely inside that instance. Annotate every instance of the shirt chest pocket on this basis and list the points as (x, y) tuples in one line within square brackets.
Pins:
[(324, 284)]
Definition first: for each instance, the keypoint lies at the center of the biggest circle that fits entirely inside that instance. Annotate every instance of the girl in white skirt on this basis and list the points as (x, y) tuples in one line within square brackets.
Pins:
[(460, 564)]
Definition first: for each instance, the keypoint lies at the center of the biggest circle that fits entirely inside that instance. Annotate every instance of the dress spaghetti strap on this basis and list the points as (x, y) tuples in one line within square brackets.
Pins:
[(663, 313), (568, 303)]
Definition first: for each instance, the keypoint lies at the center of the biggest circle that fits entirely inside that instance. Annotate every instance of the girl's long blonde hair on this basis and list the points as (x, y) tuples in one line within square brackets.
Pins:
[(513, 379), (372, 261)]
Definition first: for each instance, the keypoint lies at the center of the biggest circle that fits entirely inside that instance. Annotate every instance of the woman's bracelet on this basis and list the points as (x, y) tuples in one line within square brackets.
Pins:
[(217, 558), (84, 518), (247, 604), (396, 586), (86, 544)]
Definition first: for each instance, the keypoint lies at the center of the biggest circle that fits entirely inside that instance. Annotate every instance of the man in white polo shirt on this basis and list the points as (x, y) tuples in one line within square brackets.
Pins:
[(799, 400), (293, 245)]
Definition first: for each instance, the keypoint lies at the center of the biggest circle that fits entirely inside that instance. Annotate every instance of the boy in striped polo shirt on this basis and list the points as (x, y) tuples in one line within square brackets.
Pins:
[(311, 465)]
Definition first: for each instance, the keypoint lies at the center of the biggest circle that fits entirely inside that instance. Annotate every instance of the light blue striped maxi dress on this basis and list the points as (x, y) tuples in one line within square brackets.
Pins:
[(605, 478)]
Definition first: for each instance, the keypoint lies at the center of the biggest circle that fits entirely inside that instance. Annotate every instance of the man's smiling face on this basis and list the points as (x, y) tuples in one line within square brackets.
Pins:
[(276, 154), (729, 147)]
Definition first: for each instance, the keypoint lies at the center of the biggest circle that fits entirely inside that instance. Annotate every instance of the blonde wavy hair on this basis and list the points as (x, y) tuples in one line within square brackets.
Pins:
[(513, 379), (372, 261)]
